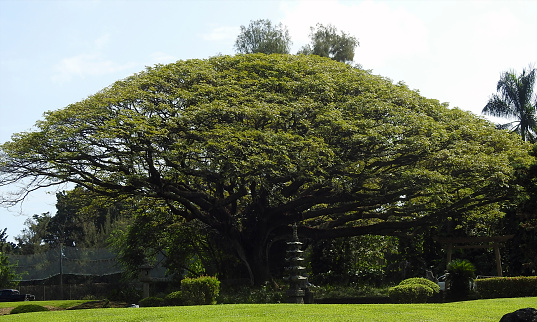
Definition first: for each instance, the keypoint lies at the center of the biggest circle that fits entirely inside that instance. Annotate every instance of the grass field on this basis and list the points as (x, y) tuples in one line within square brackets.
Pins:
[(478, 310)]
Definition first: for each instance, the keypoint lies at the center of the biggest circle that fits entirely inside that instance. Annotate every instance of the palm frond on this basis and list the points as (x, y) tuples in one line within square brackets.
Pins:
[(516, 100), (498, 107)]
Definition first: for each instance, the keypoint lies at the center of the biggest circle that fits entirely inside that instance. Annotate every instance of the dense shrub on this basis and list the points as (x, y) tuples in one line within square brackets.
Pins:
[(27, 308), (200, 291), (506, 286), (174, 299), (151, 301), (422, 281), (410, 293)]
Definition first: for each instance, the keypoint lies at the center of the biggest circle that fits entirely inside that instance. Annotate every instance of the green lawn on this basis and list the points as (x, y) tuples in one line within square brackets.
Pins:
[(479, 310)]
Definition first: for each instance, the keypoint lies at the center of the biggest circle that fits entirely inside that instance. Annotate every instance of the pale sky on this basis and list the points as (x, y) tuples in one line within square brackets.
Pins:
[(53, 53)]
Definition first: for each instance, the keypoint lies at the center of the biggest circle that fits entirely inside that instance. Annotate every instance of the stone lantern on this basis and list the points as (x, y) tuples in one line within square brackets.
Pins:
[(297, 281), (145, 277)]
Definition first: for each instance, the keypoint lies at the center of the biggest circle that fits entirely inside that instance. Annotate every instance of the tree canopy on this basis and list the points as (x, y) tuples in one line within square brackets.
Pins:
[(248, 145), (327, 42), (516, 100), (261, 36)]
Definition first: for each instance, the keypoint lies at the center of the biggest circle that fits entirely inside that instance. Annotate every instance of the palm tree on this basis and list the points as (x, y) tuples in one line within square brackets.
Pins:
[(515, 100)]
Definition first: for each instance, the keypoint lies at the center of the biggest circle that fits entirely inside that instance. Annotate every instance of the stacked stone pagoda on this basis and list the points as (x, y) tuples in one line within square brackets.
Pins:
[(296, 270)]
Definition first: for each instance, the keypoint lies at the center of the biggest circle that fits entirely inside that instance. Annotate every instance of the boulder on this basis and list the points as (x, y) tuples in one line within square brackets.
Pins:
[(523, 315)]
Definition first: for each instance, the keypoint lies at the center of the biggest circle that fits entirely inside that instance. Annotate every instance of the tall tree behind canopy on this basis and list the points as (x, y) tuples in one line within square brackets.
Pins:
[(250, 144), (261, 36), (516, 100), (327, 42)]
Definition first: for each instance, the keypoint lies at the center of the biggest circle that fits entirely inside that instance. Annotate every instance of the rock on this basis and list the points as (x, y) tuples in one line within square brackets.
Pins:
[(523, 315)]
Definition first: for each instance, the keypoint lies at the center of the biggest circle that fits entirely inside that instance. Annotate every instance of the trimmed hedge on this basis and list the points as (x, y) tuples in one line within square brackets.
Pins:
[(422, 281), (494, 287), (174, 299), (28, 308), (410, 293), (200, 291), (151, 301)]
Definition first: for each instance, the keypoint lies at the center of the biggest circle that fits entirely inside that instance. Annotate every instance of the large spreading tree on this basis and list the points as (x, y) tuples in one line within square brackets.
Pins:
[(250, 144)]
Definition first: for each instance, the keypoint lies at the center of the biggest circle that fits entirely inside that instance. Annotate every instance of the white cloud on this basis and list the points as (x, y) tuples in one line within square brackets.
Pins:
[(386, 32), (222, 33), (86, 65), (162, 58)]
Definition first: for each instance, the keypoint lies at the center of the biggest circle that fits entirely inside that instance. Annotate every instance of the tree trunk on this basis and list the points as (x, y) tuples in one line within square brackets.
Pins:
[(254, 255)]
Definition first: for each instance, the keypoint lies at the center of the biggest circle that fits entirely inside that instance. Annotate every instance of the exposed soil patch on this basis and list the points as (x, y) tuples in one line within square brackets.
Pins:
[(5, 310)]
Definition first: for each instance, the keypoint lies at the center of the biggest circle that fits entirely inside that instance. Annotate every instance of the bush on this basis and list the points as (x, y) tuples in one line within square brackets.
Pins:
[(506, 287), (410, 293), (151, 301), (460, 275), (422, 281), (27, 308), (125, 293), (200, 291), (174, 299), (252, 295)]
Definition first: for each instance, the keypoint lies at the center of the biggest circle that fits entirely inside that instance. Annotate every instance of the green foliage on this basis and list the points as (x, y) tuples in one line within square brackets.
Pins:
[(410, 293), (249, 144), (422, 281), (252, 295), (262, 37), (494, 287), (174, 299), (354, 260), (31, 241), (125, 293), (516, 100), (460, 276), (326, 42), (7, 273), (413, 290), (200, 291), (151, 301), (28, 308)]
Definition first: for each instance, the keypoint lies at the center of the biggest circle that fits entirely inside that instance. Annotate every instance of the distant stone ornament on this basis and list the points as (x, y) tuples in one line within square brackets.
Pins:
[(523, 315), (298, 283)]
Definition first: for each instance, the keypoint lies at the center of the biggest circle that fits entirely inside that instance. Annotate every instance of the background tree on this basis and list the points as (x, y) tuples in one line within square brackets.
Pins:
[(262, 37), (334, 148), (521, 221), (327, 42), (32, 238), (516, 100), (7, 273)]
